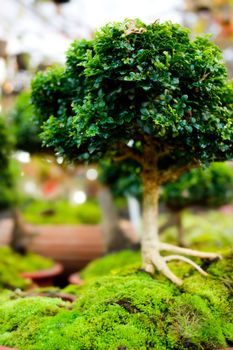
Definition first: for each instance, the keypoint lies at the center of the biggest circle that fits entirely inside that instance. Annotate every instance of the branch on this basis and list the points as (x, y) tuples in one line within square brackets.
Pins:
[(128, 153), (187, 251), (173, 173), (188, 261), (123, 157), (205, 75)]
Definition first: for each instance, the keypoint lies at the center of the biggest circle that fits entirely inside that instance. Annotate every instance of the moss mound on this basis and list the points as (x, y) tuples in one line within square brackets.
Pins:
[(126, 311), (62, 212), (12, 264), (110, 264)]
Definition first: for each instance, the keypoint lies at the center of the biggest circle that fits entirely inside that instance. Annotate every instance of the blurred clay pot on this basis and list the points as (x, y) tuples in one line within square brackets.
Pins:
[(44, 278), (72, 245), (75, 278)]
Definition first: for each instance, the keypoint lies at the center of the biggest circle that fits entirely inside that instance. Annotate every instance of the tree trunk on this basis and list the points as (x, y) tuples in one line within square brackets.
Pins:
[(151, 257), (180, 229), (134, 214), (115, 239), (151, 246)]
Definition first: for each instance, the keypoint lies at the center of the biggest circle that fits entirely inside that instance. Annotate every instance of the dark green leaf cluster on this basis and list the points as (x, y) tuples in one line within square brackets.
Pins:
[(25, 128), (210, 187), (122, 178), (144, 84), (7, 197)]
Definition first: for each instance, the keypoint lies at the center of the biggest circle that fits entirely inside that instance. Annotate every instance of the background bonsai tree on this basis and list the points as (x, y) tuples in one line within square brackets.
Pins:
[(119, 180), (146, 93), (209, 188), (9, 197), (6, 176), (26, 131)]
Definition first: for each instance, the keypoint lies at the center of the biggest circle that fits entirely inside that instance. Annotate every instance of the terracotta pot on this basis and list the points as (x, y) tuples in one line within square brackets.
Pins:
[(74, 278), (6, 348), (73, 245), (44, 278)]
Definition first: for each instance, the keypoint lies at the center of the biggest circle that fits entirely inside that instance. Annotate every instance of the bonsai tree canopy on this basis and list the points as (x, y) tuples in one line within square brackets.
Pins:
[(146, 93)]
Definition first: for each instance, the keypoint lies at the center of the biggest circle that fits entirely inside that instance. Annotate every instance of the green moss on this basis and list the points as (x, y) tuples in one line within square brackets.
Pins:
[(62, 212), (34, 262), (125, 311), (110, 264), (12, 264)]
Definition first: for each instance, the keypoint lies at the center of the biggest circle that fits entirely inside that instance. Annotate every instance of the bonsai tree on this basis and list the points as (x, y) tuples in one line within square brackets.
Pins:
[(6, 175), (122, 180), (146, 93), (25, 129), (8, 194), (210, 188)]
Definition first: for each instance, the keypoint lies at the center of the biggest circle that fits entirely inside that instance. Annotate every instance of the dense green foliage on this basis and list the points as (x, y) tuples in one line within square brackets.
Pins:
[(122, 178), (12, 264), (209, 187), (62, 212), (24, 126), (148, 84), (127, 311), (7, 195)]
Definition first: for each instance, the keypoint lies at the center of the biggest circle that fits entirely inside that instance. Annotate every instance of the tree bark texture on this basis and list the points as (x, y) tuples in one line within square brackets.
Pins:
[(180, 229)]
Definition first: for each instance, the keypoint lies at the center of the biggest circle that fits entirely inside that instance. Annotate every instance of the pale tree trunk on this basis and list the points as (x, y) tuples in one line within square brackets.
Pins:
[(180, 229), (114, 237), (151, 246), (151, 257), (135, 214)]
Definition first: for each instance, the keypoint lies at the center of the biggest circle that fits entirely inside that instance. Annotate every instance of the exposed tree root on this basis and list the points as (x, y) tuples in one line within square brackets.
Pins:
[(151, 246), (188, 261), (158, 262), (187, 251)]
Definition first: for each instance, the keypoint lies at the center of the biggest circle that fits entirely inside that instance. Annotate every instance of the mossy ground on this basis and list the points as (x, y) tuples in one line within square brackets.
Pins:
[(12, 264), (61, 213), (127, 310)]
